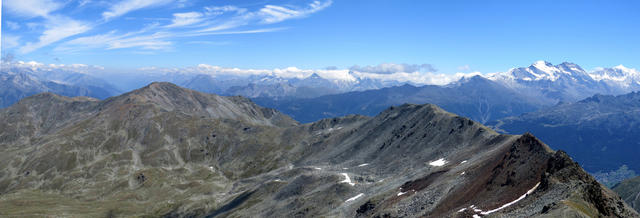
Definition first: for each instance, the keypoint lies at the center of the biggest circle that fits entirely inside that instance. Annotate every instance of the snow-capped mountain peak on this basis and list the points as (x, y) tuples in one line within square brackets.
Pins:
[(620, 74), (543, 65), (622, 67), (571, 67), (543, 71)]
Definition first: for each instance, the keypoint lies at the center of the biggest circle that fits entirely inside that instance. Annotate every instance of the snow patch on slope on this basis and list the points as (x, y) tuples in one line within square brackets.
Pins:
[(355, 197), (438, 163), (513, 202), (347, 179)]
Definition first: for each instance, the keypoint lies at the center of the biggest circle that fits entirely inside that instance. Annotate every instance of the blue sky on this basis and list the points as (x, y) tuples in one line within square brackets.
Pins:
[(452, 36)]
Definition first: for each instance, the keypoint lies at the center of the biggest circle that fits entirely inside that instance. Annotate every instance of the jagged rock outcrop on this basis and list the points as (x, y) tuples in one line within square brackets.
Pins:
[(167, 151)]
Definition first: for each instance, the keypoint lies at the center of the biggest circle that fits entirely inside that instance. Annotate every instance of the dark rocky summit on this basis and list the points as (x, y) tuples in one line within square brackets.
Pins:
[(167, 151)]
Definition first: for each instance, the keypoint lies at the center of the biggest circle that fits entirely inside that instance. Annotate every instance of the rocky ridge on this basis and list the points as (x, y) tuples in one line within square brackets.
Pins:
[(167, 151)]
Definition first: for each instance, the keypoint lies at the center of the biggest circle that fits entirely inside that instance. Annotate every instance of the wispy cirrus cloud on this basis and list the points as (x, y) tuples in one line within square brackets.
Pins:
[(10, 41), (127, 6), (32, 8), (12, 25), (50, 20), (57, 27), (210, 20), (275, 13), (185, 19)]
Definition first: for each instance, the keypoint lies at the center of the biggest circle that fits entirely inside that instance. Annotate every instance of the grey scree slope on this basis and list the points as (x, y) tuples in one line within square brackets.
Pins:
[(163, 150)]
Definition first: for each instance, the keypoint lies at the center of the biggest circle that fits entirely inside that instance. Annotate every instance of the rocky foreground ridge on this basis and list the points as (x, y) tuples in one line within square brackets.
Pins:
[(163, 150)]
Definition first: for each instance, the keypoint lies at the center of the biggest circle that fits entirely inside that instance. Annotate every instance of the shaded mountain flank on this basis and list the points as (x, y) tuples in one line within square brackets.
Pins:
[(477, 98), (600, 132), (163, 150), (629, 190)]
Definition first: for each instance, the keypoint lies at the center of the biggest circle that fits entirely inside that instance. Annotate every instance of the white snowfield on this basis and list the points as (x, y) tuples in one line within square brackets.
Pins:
[(513, 202), (347, 179), (475, 209), (438, 163), (362, 165), (355, 197)]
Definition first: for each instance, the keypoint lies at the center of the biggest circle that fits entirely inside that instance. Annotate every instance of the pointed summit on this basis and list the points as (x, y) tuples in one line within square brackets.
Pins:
[(571, 67), (166, 96), (314, 76), (541, 63)]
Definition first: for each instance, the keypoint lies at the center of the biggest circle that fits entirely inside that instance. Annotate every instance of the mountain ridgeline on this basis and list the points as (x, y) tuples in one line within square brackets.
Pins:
[(163, 150)]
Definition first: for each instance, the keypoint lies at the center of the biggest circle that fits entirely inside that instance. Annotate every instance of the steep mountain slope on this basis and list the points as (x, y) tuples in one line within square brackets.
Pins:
[(600, 132), (167, 151), (476, 97), (629, 190)]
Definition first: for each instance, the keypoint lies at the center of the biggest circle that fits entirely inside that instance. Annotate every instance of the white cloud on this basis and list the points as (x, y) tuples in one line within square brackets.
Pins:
[(113, 40), (10, 41), (219, 10), (58, 28), (206, 22), (82, 3), (127, 6), (32, 8), (425, 78), (185, 19), (268, 14), (389, 68), (415, 77), (149, 42), (37, 66), (288, 72), (274, 13), (12, 25)]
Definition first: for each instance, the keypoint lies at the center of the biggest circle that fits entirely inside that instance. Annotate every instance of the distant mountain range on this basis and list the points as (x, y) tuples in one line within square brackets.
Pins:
[(568, 82), (601, 132), (17, 83), (476, 97), (541, 82), (482, 98), (167, 151), (565, 82)]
